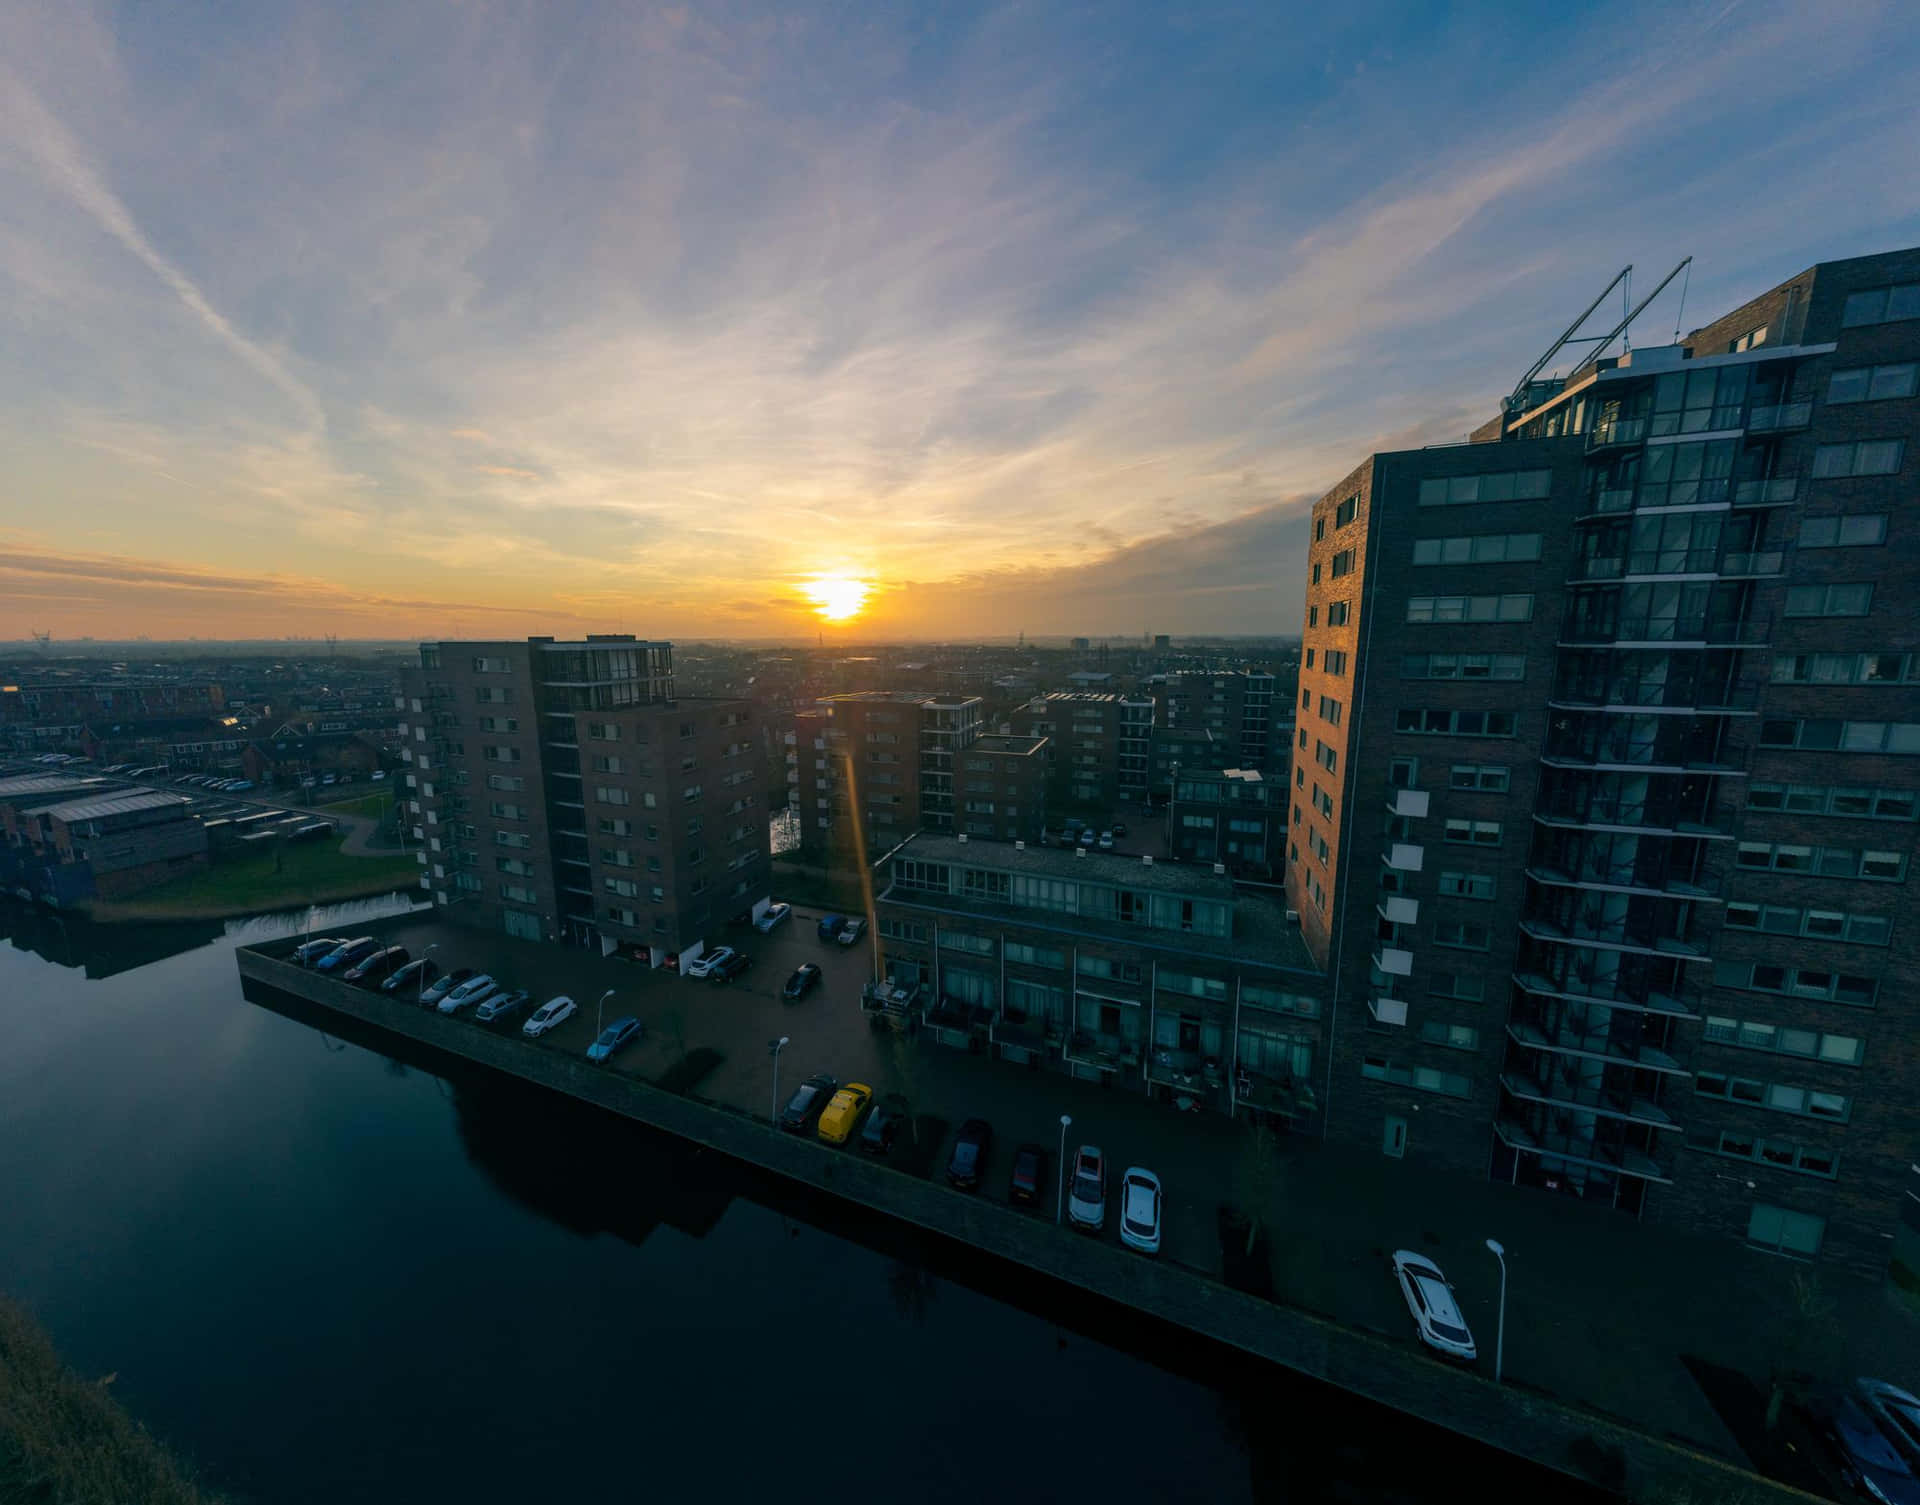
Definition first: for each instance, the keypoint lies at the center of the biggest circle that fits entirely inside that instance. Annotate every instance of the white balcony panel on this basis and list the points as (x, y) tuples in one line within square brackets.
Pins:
[(1388, 1010), (1405, 857), (1393, 961), (1410, 802), (1400, 909)]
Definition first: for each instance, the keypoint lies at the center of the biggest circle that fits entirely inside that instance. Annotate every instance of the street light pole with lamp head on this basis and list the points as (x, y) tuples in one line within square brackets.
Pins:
[(420, 993), (1500, 1333), (1060, 1192), (600, 1011), (774, 1047)]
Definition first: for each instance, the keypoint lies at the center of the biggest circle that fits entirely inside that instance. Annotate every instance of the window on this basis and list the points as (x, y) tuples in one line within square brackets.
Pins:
[(1313, 616), (1487, 778), (1342, 563), (1843, 800), (1748, 340), (1844, 668), (492, 666), (493, 695), (1460, 986), (1514, 608), (1319, 528), (611, 827), (1779, 1096), (1421, 1078), (691, 793), (616, 856), (1872, 383), (1881, 305), (1478, 548), (1346, 511), (603, 731), (1306, 698), (517, 893), (1461, 935), (1500, 486), (625, 887), (1334, 661), (1327, 757), (1508, 666), (501, 811), (517, 867), (1869, 457), (1466, 885), (506, 783), (1035, 956), (1330, 711), (1338, 613), (1305, 1005), (1823, 862), (1836, 1050), (1439, 723), (1783, 1230), (610, 796), (1316, 573), (1829, 600), (1472, 833), (518, 839), (1781, 1154), (1815, 924), (507, 724), (1850, 530), (1816, 983), (1820, 735), (500, 753), (1453, 1036), (607, 763), (1322, 801)]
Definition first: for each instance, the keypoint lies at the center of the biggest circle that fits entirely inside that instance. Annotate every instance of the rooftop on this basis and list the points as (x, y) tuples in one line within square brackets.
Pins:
[(1159, 876), (1006, 742), (44, 783), (116, 804)]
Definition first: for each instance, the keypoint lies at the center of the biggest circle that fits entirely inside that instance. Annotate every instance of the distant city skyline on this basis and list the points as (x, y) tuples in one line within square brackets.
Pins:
[(430, 321)]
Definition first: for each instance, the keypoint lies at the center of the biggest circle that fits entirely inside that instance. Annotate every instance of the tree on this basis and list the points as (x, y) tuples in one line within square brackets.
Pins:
[(1806, 1328), (1258, 1177), (908, 1071)]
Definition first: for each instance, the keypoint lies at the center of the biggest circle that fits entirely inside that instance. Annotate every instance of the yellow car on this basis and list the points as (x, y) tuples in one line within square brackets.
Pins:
[(843, 1113)]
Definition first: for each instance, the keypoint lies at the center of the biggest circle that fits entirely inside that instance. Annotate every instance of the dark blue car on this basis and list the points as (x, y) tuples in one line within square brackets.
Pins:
[(613, 1039)]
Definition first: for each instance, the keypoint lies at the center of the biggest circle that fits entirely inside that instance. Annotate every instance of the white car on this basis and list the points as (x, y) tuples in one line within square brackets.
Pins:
[(851, 932), (1106, 841), (1435, 1311), (703, 966), (1087, 1192), (553, 1012), (470, 992), (1140, 1210), (776, 913)]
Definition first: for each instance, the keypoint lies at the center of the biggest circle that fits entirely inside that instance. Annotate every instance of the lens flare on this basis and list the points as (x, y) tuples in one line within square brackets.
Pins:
[(836, 598)]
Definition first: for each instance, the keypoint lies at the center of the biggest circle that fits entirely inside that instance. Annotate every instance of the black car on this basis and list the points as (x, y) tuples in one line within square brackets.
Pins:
[(808, 1102), (378, 967), (311, 951), (411, 978), (1119, 828), (969, 1157), (1867, 1460), (805, 978), (884, 1124), (1029, 1183), (731, 968)]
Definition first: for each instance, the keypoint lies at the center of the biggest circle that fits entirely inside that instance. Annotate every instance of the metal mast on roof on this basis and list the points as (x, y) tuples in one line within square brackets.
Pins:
[(1607, 339), (1516, 402), (1568, 338)]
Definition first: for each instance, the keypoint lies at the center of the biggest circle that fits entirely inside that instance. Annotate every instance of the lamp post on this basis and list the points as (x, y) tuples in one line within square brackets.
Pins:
[(420, 993), (774, 1047), (600, 1010), (1060, 1192), (1500, 1332)]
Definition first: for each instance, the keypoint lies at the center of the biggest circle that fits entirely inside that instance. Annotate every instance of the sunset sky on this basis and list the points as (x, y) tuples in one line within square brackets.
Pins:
[(405, 319)]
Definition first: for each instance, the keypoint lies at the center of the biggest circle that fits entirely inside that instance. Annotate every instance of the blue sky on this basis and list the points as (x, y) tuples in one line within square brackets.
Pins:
[(476, 317)]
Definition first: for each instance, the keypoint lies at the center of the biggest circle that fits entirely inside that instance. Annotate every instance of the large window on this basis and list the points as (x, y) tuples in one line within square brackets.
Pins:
[(1478, 548), (1868, 457), (1257, 996), (1881, 305), (1512, 608), (1421, 1078), (1487, 778), (1872, 383), (1782, 1097), (1507, 666), (1819, 984), (1845, 668), (1845, 531), (1496, 486), (1432, 722), (1852, 600), (1785, 1231), (1815, 1045), (1809, 861), (1817, 734), (1815, 924), (1848, 801)]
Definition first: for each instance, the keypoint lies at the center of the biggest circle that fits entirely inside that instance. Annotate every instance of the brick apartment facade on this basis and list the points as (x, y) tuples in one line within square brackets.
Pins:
[(1235, 706), (563, 792), (1101, 745), (1604, 793)]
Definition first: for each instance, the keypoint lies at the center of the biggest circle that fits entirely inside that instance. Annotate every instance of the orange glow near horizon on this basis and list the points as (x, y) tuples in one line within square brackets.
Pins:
[(836, 598)]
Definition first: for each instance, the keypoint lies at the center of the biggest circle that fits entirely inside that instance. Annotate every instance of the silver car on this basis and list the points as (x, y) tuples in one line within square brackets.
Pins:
[(473, 990), (1087, 1192), (502, 1006)]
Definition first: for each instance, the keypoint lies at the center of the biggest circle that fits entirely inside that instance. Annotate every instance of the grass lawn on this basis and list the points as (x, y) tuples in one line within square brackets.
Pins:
[(314, 872), (373, 806)]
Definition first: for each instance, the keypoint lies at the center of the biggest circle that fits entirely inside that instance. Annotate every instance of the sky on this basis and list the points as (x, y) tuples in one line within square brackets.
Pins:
[(486, 319)]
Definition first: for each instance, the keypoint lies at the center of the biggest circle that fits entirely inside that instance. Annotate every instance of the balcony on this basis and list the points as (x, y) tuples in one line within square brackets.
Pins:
[(1399, 909), (1641, 1058), (1775, 491), (1388, 1011), (1668, 947), (1409, 802), (1273, 1094), (1185, 1071), (1673, 1004), (890, 998), (1394, 961), (1105, 1053), (1610, 433), (1622, 1161), (1755, 564), (1690, 630), (1618, 696), (1405, 857), (1626, 880), (1638, 818), (1617, 1105), (1649, 564), (1780, 417), (951, 1015), (1031, 1035)]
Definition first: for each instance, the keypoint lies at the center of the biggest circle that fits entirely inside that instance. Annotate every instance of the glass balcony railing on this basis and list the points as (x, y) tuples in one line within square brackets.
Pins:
[(1780, 417), (1776, 491), (1588, 1047), (1675, 1000), (1564, 1094), (1519, 1136), (1607, 432), (1700, 629)]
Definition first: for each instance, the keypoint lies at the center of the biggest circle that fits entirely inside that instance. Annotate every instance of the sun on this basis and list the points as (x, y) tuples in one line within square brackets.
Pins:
[(836, 598)]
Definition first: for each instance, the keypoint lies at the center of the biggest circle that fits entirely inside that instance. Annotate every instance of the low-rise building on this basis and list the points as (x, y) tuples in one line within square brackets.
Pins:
[(1003, 788), (1236, 817)]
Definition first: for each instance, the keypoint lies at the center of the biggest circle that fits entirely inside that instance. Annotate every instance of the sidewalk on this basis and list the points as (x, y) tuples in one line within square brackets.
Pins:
[(1601, 1311)]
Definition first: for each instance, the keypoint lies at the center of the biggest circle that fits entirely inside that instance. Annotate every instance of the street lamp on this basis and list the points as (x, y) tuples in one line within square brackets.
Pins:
[(420, 993), (1060, 1193), (1500, 1333), (774, 1047), (600, 1010)]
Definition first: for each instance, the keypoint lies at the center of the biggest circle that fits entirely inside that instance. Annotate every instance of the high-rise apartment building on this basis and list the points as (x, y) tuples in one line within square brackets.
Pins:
[(890, 759), (1605, 782), (562, 791), (1102, 745)]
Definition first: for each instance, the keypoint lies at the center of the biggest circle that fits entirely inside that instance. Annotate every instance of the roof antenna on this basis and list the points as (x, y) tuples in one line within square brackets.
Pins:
[(1626, 319), (1682, 312)]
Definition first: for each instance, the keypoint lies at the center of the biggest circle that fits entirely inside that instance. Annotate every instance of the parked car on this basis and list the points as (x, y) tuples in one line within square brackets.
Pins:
[(808, 1102), (851, 932), (1436, 1313), (968, 1157), (1866, 1458), (551, 1014), (829, 927), (501, 1007), (1140, 1210), (1119, 828), (376, 968), (1897, 1412), (776, 916), (884, 1123), (1106, 841), (1087, 1193), (348, 954), (1086, 838), (733, 965), (411, 980), (806, 977), (842, 1115), (613, 1039), (703, 966), (438, 990), (309, 952), (474, 990), (1029, 1180)]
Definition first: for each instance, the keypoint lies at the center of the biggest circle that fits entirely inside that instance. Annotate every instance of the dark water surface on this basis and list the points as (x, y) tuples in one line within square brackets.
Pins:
[(326, 1275)]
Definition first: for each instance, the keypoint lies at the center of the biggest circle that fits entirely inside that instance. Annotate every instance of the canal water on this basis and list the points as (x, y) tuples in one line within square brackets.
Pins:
[(324, 1274)]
